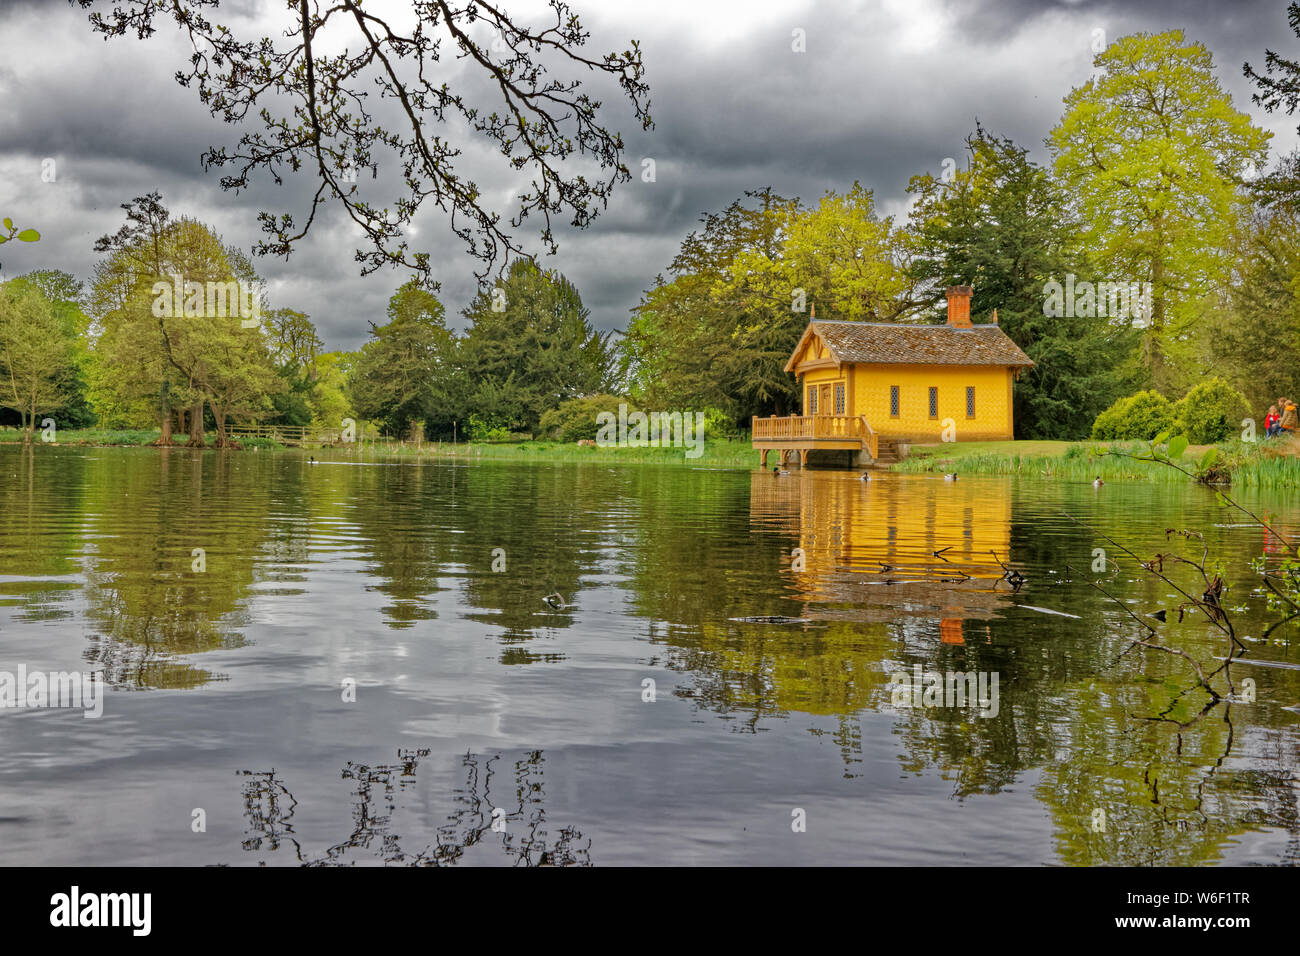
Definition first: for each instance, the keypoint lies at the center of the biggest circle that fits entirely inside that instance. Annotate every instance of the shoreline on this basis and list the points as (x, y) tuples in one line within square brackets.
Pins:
[(1259, 464), (1272, 463), (719, 452)]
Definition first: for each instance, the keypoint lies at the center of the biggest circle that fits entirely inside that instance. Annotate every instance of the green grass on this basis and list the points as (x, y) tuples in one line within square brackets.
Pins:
[(88, 436), (716, 452), (1259, 465)]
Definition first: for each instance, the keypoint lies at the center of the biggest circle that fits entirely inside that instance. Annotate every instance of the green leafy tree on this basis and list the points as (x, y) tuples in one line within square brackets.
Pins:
[(36, 352), (294, 348), (839, 254), (1153, 153), (65, 293), (172, 355), (689, 345), (329, 396)]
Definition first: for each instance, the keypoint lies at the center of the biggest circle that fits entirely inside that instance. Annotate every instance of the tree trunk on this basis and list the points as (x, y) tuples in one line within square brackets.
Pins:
[(1155, 334), (166, 428), (196, 427), (219, 416)]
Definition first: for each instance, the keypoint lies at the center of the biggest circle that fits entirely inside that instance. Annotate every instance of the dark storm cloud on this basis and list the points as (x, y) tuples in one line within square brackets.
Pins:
[(884, 90)]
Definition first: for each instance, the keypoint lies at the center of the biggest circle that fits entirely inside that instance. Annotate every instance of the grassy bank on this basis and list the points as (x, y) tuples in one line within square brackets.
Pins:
[(1264, 464), (86, 436), (715, 452)]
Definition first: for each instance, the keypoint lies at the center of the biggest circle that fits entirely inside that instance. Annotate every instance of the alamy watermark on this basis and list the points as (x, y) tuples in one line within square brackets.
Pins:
[(1090, 300), (946, 689), (183, 298), (651, 430), (39, 689)]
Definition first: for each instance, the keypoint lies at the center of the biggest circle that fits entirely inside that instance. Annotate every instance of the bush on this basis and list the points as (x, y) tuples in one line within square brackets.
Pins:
[(259, 441), (487, 431), (1210, 412), (1139, 417), (576, 419), (719, 426)]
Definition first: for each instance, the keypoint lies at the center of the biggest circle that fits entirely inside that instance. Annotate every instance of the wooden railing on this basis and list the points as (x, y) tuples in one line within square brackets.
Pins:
[(287, 434), (870, 440), (794, 428)]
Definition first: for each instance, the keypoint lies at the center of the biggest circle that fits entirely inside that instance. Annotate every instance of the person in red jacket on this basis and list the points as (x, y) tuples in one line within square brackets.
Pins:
[(1272, 422)]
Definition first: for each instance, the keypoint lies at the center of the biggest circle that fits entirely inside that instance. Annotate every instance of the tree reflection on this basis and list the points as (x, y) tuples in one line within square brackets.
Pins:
[(269, 807), (149, 605)]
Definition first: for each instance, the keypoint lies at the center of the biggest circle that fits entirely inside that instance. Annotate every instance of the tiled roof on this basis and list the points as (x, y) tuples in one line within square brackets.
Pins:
[(881, 343)]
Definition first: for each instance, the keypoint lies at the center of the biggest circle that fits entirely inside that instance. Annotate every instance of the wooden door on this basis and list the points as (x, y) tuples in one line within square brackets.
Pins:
[(824, 406)]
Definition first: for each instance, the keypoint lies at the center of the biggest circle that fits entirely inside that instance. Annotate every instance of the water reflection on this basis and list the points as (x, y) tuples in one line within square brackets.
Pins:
[(514, 823), (385, 571)]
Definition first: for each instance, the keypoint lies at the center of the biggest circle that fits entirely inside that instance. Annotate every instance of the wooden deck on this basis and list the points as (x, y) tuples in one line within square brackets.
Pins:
[(805, 433)]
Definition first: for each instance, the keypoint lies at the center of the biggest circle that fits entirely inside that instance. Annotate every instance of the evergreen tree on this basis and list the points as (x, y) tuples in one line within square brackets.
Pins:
[(400, 376), (530, 347), (1004, 227)]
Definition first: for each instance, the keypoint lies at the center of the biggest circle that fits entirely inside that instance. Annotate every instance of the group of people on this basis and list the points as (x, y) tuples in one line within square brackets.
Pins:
[(1284, 423)]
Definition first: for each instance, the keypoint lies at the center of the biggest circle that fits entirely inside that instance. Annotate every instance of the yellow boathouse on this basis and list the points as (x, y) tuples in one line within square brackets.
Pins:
[(869, 386)]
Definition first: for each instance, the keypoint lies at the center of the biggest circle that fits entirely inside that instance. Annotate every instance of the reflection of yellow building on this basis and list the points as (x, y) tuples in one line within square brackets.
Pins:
[(898, 546)]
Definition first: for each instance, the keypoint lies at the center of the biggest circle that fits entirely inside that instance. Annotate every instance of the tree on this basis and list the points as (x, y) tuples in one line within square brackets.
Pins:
[(313, 105), (65, 292), (1254, 334), (193, 345), (1153, 153), (1002, 225), (670, 356), (400, 373), (1278, 87), (529, 348), (36, 352), (689, 345), (839, 254), (294, 348), (328, 399)]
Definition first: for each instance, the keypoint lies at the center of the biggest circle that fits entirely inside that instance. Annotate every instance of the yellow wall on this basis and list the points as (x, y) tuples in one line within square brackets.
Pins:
[(868, 394)]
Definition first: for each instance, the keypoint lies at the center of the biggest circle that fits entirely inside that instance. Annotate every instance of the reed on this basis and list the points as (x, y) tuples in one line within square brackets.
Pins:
[(716, 453), (1069, 468), (1261, 464)]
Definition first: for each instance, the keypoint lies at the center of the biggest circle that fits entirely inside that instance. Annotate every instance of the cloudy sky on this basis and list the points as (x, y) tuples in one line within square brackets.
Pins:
[(883, 90)]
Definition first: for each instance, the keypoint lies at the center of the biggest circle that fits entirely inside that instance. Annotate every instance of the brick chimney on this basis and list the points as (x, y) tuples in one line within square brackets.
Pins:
[(959, 306)]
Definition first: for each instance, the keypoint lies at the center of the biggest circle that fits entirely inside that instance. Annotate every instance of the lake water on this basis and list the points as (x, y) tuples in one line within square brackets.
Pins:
[(490, 728)]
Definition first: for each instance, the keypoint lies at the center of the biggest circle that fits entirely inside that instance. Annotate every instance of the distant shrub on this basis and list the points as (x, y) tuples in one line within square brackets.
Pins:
[(485, 431), (259, 441), (1142, 417), (719, 426), (1210, 412), (575, 419)]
